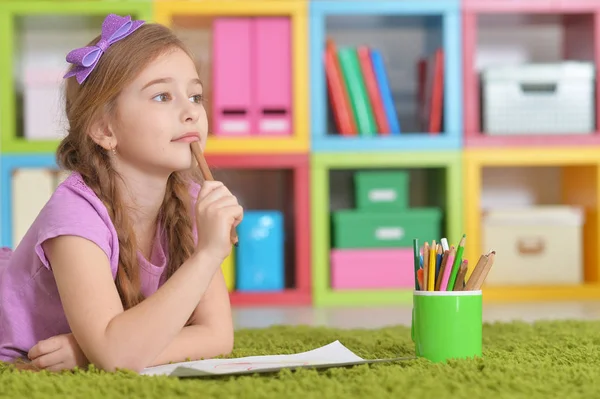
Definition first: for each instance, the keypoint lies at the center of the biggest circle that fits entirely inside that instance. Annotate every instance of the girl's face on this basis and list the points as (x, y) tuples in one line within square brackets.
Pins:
[(161, 106)]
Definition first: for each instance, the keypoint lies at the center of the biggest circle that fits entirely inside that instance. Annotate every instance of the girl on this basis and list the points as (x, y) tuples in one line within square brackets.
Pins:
[(121, 268)]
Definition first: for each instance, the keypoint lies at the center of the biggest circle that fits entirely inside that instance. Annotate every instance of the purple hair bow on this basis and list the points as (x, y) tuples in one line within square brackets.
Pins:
[(114, 28)]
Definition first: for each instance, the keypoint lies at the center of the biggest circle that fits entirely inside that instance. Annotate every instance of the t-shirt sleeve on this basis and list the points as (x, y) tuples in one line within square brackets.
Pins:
[(69, 212)]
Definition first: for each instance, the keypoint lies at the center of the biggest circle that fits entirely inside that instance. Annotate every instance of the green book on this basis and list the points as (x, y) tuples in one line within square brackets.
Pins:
[(357, 91)]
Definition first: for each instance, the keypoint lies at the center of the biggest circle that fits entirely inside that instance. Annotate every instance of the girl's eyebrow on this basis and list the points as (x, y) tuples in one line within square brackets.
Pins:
[(156, 81), (168, 80)]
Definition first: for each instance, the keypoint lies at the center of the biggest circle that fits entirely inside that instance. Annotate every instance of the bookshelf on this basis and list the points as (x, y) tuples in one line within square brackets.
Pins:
[(402, 31), (311, 168), (435, 182)]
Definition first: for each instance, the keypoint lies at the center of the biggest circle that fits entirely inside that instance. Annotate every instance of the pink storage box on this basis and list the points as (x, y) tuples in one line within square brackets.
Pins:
[(372, 268), (44, 114)]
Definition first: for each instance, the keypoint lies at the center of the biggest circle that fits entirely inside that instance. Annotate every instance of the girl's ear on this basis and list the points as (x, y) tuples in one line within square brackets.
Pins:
[(102, 134)]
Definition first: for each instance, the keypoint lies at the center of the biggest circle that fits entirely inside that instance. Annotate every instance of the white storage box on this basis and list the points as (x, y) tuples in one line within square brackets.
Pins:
[(539, 99), (534, 246), (43, 98)]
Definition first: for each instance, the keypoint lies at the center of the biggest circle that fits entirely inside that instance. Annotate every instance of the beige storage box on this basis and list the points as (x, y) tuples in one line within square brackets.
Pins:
[(540, 245)]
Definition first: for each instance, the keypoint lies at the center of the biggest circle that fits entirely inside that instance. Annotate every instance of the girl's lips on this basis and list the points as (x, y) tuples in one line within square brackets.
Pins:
[(187, 139)]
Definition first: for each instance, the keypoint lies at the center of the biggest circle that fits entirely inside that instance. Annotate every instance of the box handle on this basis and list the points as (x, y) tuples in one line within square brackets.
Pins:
[(389, 233), (538, 88), (531, 245)]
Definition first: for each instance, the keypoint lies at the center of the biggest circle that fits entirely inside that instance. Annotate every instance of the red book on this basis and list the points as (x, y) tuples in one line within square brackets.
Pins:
[(368, 73), (338, 94)]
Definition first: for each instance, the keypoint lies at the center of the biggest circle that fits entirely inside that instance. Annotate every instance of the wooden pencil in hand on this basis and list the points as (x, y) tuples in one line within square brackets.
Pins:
[(207, 175)]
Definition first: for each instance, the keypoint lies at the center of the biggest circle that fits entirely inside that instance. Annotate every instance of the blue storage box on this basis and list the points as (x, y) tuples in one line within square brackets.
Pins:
[(259, 257)]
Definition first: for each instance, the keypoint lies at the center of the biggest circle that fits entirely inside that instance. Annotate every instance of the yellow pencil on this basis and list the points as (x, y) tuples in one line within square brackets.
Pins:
[(431, 271)]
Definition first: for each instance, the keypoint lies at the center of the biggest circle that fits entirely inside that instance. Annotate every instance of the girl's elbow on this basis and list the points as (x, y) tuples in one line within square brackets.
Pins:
[(227, 344), (113, 363)]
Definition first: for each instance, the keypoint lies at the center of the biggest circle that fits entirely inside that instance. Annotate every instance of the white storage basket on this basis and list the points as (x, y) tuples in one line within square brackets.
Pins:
[(539, 99)]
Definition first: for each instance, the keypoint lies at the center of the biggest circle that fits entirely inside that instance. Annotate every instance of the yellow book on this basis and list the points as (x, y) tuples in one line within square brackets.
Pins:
[(228, 268)]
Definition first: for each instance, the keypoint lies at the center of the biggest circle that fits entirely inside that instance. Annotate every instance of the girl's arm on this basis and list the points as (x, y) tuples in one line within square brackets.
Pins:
[(110, 337), (211, 331)]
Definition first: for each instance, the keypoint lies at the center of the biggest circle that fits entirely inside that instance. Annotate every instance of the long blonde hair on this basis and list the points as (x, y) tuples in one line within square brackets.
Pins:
[(94, 99)]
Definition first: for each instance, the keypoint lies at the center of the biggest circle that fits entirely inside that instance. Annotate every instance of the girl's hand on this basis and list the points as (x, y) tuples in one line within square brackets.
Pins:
[(217, 211), (61, 352)]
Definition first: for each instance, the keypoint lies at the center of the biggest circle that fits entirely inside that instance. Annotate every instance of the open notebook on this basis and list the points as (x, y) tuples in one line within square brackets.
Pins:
[(332, 355)]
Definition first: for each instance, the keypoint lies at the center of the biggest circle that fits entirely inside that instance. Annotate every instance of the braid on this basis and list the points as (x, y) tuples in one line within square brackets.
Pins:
[(102, 179), (177, 221)]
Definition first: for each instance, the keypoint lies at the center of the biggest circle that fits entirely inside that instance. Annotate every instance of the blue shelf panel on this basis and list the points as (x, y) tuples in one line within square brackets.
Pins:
[(422, 141), (8, 163), (445, 32), (389, 7)]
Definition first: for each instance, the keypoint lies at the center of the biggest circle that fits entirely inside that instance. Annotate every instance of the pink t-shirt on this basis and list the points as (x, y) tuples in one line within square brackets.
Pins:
[(30, 306)]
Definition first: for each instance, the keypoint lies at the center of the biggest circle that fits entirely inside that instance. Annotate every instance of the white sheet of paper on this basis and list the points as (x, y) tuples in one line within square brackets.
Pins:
[(332, 355)]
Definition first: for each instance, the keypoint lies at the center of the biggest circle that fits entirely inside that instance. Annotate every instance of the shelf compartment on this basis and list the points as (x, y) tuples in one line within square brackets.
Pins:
[(425, 27), (504, 33), (194, 22), (331, 190), (46, 53), (528, 177), (280, 182)]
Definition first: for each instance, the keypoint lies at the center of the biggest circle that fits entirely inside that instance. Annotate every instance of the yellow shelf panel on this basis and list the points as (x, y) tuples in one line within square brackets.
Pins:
[(254, 145), (541, 293), (165, 12), (164, 9), (532, 156)]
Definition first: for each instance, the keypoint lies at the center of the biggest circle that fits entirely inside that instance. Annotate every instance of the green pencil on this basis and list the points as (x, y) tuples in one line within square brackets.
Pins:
[(457, 262), (417, 256)]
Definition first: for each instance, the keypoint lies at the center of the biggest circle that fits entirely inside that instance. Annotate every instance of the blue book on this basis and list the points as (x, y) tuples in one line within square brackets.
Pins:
[(385, 90), (260, 262)]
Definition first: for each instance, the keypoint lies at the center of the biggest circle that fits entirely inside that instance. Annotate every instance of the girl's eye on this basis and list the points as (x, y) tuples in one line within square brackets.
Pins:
[(198, 98), (162, 97)]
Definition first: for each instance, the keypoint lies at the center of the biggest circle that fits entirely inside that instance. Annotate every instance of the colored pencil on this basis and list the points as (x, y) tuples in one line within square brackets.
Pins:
[(471, 282), (460, 278), (484, 272), (431, 271), (438, 281), (438, 261), (457, 261), (448, 270), (425, 265), (417, 261)]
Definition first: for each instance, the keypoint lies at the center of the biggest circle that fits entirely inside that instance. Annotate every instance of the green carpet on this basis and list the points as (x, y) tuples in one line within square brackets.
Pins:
[(546, 359)]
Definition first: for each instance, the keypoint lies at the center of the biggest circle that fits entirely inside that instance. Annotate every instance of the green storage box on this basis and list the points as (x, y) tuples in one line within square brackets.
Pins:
[(362, 229), (381, 191)]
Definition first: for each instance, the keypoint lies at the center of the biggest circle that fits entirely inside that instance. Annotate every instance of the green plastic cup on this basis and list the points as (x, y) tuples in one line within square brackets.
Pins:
[(447, 324)]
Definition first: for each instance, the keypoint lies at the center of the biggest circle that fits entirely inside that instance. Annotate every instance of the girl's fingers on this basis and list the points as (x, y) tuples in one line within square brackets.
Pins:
[(48, 361), (44, 347)]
